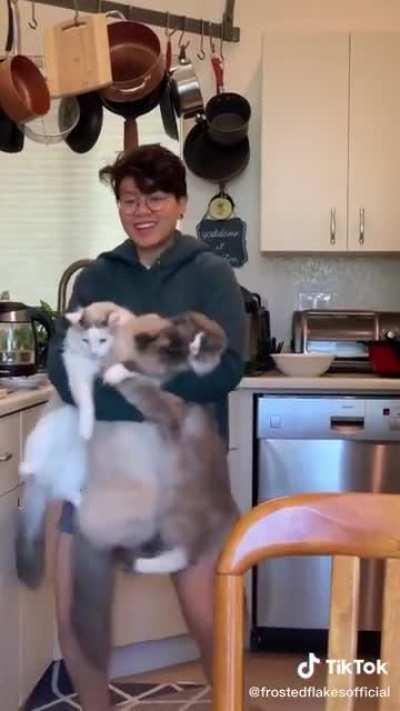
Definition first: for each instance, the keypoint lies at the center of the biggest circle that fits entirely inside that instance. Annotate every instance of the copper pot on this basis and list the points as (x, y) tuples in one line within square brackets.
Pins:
[(24, 94), (137, 63)]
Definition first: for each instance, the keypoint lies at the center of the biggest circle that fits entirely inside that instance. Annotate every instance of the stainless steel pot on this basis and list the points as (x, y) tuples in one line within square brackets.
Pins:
[(185, 89)]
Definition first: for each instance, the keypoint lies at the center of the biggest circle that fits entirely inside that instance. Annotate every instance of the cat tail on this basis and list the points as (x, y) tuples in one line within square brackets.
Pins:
[(93, 583), (30, 536)]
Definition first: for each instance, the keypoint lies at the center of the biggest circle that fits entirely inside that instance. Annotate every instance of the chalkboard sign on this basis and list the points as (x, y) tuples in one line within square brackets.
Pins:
[(226, 238)]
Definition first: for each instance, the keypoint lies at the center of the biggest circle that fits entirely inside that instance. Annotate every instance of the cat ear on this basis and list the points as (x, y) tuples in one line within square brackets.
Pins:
[(74, 317), (120, 316)]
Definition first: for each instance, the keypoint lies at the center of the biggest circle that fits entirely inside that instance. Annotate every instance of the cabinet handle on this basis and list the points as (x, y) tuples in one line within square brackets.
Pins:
[(5, 457), (333, 226), (361, 237)]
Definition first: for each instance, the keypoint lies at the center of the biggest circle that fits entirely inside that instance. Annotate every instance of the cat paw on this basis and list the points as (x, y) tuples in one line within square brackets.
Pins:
[(116, 374), (26, 469), (168, 562), (203, 367), (75, 499), (195, 345), (86, 426)]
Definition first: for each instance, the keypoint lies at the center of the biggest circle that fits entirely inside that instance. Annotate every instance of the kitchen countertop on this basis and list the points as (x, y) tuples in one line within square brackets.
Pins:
[(21, 399), (330, 382), (271, 381)]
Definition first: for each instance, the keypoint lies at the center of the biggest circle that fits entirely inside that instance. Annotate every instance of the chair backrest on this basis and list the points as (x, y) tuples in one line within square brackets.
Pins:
[(348, 526)]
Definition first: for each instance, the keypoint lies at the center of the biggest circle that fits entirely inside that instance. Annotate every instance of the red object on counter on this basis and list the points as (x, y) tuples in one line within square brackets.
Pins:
[(385, 358)]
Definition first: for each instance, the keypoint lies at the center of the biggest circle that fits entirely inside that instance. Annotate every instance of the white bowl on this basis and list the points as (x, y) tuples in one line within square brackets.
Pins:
[(303, 364)]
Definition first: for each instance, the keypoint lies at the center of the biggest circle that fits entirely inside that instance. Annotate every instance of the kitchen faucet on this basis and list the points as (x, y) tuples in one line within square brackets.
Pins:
[(64, 281)]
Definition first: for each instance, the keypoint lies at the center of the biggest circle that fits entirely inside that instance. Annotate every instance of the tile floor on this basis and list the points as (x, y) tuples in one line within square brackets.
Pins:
[(183, 688)]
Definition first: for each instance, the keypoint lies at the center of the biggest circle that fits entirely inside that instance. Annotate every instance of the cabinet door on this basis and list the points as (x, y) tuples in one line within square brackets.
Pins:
[(304, 142), (9, 452), (37, 623), (9, 618), (374, 164), (145, 608)]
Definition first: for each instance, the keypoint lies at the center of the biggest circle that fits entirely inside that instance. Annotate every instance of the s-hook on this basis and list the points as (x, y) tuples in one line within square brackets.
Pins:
[(33, 23), (168, 30), (201, 54)]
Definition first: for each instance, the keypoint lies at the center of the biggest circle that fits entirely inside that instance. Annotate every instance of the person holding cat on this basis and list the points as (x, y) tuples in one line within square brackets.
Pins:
[(156, 269)]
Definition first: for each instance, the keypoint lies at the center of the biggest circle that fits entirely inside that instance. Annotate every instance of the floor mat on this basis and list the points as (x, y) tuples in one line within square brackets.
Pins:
[(55, 693)]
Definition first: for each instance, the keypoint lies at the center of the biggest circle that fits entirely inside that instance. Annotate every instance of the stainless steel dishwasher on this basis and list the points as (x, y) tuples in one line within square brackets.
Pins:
[(326, 443)]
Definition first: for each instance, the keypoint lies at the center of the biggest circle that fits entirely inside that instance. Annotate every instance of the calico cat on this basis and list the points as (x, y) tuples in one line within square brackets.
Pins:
[(157, 493), (160, 485)]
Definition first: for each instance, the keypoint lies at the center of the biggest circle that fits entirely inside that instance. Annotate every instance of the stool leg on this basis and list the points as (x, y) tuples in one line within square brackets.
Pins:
[(228, 643)]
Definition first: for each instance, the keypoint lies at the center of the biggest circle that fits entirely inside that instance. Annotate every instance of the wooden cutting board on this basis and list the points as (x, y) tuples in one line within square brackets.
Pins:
[(77, 56)]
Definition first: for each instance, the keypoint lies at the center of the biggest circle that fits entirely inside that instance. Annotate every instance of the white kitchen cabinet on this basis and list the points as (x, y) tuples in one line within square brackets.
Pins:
[(9, 606), (330, 142), (9, 452), (36, 609), (304, 142), (374, 144)]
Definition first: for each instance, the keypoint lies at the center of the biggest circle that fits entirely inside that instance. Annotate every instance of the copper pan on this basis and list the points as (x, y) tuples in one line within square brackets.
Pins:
[(24, 94), (137, 62)]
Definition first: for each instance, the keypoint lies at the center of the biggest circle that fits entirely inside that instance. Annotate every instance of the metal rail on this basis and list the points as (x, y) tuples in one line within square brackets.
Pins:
[(224, 29)]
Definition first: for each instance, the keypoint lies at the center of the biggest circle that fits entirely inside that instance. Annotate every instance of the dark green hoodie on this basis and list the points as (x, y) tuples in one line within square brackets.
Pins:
[(187, 276)]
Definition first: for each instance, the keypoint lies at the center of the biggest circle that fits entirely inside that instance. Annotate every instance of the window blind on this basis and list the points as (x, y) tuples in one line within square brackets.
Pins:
[(54, 210)]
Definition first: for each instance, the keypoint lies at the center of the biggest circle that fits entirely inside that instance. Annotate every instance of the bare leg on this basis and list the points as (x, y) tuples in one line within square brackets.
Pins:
[(195, 590), (91, 684)]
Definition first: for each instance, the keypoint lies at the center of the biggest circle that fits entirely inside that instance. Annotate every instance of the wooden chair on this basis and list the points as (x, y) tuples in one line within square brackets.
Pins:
[(348, 526)]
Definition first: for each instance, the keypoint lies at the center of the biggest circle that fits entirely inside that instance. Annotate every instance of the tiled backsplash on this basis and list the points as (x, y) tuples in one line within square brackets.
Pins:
[(354, 281)]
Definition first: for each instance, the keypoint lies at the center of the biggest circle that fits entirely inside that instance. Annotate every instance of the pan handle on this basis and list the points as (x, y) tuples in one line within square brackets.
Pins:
[(10, 31), (135, 89), (116, 14)]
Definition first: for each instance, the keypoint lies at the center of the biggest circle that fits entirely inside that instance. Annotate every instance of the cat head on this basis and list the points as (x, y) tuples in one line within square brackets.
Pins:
[(162, 347), (93, 327), (207, 340), (151, 344)]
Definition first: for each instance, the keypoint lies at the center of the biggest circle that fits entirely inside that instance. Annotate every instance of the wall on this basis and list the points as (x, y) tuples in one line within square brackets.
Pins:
[(364, 282)]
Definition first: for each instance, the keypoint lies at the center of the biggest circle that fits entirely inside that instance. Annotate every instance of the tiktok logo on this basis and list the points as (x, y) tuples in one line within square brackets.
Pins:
[(306, 669)]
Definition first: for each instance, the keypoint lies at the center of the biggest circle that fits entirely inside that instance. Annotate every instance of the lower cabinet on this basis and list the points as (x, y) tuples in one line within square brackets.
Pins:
[(145, 608), (36, 608), (9, 606)]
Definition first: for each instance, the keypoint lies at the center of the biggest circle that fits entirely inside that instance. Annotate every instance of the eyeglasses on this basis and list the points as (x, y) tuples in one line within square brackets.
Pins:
[(154, 202)]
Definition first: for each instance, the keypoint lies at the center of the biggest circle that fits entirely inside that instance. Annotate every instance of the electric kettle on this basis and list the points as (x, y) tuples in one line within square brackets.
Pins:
[(24, 336)]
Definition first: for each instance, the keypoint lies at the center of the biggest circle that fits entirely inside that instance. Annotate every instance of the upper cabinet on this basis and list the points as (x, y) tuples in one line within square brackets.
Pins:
[(374, 142), (330, 142)]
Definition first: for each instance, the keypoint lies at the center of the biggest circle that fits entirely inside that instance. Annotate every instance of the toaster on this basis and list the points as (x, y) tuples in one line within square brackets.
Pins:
[(344, 333)]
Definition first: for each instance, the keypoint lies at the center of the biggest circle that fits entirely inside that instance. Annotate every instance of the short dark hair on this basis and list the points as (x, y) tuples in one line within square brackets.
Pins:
[(152, 167)]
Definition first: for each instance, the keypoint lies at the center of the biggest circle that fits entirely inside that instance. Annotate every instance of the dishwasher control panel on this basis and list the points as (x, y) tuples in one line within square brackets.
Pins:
[(328, 417)]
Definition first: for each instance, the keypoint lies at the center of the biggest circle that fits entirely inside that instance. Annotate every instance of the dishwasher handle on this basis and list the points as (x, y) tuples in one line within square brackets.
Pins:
[(347, 425)]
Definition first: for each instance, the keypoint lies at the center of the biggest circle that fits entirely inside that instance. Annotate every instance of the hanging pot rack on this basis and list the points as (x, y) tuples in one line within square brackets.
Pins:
[(224, 30)]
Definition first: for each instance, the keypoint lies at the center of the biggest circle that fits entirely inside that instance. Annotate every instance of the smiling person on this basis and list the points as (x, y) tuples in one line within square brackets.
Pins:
[(156, 269)]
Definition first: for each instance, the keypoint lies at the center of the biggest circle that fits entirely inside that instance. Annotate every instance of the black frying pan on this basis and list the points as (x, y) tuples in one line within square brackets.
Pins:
[(85, 134), (228, 115), (167, 110), (211, 161), (11, 138)]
